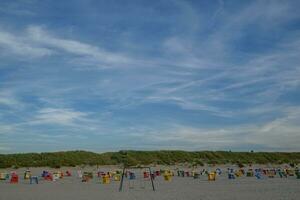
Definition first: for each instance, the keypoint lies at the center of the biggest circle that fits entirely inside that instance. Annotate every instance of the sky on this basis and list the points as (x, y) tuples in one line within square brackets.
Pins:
[(107, 75)]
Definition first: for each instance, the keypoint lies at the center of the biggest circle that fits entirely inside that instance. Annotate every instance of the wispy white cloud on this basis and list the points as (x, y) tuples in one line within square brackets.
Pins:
[(7, 129), (66, 117), (20, 46), (18, 8), (39, 35), (281, 134), (36, 42), (7, 98)]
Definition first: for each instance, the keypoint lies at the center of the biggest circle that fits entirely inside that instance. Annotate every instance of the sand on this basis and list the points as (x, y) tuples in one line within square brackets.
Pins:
[(179, 188)]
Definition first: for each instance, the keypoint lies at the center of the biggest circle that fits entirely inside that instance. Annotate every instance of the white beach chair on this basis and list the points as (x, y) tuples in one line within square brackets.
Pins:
[(79, 173)]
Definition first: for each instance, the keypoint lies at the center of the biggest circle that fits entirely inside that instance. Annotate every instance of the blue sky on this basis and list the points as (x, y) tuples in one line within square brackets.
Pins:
[(147, 75)]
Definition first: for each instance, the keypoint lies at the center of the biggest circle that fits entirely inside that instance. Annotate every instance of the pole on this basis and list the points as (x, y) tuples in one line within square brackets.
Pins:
[(151, 179), (121, 183)]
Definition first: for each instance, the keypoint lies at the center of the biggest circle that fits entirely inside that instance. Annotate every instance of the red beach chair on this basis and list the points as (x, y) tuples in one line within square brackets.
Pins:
[(14, 178), (48, 177), (68, 173), (146, 175)]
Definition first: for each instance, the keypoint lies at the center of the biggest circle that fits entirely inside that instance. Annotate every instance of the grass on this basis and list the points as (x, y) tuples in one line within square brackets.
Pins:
[(74, 158)]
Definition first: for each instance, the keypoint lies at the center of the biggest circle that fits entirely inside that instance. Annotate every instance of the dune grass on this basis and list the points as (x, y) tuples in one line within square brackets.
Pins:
[(74, 158)]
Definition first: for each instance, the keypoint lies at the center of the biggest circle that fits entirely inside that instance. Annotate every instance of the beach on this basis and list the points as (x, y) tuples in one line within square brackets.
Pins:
[(178, 188)]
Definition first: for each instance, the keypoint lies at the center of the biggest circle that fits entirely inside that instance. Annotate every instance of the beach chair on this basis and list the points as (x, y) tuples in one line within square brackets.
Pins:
[(167, 176), (182, 173), (218, 171), (48, 177), (258, 175), (58, 174), (239, 173), (14, 178), (192, 173), (34, 179), (290, 172), (87, 176), (79, 173), (44, 174), (196, 175), (68, 173), (271, 173), (4, 176), (280, 173), (55, 176), (297, 173), (146, 175), (187, 174), (131, 181), (106, 179), (117, 177), (250, 173), (157, 173), (231, 176), (131, 175), (212, 176), (27, 174)]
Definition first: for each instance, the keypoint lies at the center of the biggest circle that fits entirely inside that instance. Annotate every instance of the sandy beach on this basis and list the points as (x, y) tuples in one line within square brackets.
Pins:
[(178, 188)]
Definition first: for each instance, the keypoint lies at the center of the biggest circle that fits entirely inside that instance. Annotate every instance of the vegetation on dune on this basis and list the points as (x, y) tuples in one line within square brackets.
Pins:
[(73, 158)]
